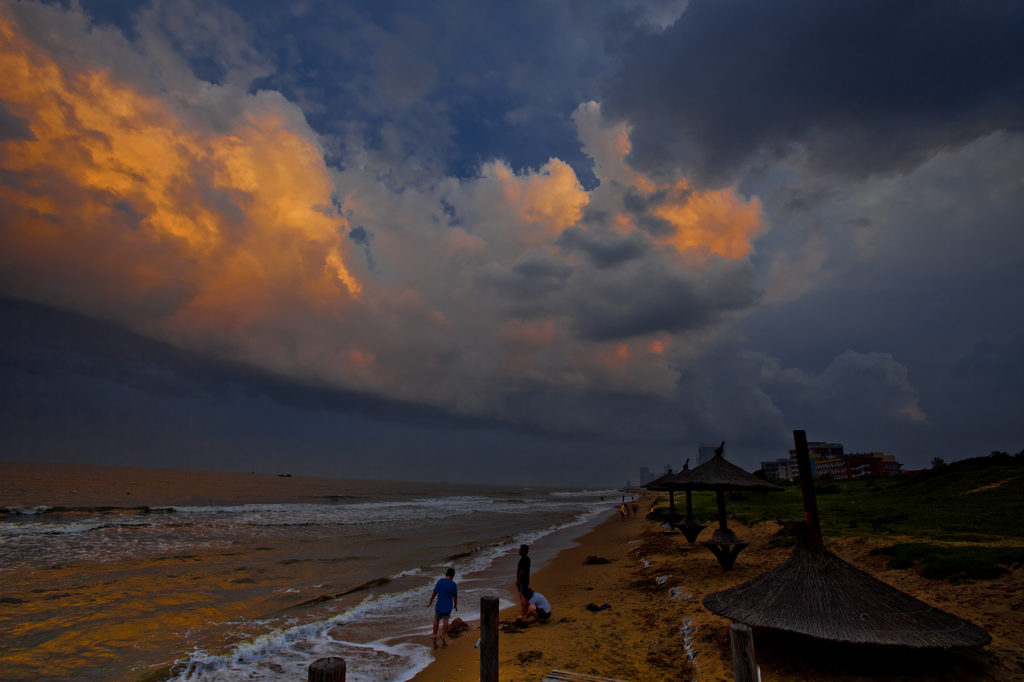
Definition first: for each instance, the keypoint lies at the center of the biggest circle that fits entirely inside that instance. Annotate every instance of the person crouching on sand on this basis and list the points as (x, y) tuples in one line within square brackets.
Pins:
[(539, 609), (447, 593)]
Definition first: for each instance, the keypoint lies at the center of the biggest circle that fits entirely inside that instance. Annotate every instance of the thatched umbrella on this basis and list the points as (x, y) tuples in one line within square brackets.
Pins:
[(659, 485), (719, 475), (688, 525), (818, 594)]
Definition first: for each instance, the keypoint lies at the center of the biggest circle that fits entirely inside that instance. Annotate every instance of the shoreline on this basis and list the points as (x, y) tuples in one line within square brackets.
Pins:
[(460, 660), (657, 629), (113, 589)]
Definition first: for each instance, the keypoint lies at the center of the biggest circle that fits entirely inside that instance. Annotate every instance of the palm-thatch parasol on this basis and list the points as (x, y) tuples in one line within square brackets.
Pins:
[(719, 475), (688, 525), (818, 594), (659, 484)]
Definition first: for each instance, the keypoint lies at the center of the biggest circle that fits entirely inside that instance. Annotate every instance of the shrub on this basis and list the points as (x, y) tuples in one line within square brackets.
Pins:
[(955, 564)]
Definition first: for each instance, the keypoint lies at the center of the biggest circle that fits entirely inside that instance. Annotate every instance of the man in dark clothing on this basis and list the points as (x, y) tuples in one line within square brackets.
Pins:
[(523, 577)]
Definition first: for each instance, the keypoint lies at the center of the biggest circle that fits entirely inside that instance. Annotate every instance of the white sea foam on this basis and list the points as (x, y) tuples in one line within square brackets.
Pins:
[(286, 653)]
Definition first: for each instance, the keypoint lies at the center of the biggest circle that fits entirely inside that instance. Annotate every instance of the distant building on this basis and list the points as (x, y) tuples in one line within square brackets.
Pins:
[(788, 469), (771, 469), (819, 449), (828, 459), (646, 476), (705, 451), (860, 464)]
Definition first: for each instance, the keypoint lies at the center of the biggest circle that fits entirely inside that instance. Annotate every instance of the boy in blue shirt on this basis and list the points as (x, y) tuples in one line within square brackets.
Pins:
[(447, 593)]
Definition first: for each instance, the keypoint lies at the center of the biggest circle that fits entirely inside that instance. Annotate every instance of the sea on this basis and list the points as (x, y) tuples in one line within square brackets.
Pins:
[(111, 573)]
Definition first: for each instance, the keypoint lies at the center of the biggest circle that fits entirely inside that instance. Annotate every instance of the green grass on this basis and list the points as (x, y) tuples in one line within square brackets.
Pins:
[(955, 564), (976, 501), (981, 499)]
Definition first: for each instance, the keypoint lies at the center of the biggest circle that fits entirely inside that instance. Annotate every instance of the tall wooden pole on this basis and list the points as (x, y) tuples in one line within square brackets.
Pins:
[(722, 525), (741, 638), (803, 458), (488, 639)]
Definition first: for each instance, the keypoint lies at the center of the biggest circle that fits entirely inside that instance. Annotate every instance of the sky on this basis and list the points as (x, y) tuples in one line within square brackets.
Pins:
[(546, 242)]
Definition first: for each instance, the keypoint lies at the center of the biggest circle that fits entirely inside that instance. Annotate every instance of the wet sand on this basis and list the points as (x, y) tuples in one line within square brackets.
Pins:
[(655, 583)]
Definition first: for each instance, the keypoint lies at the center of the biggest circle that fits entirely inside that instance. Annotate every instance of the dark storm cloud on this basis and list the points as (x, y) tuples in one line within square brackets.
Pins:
[(652, 299), (605, 250), (857, 389), (434, 81), (998, 361), (853, 87), (359, 235), (13, 127), (548, 310), (43, 345), (362, 237), (529, 279), (641, 205)]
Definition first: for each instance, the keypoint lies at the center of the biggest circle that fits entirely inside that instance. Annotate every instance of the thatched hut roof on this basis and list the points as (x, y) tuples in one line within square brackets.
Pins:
[(718, 474), (818, 594), (657, 483)]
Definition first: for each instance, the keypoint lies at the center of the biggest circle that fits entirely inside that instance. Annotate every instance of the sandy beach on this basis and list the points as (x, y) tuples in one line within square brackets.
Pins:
[(657, 629)]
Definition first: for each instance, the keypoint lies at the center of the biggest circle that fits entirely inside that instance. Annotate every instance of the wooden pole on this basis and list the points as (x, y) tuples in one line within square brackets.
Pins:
[(741, 638), (488, 639), (803, 458), (721, 511), (327, 670)]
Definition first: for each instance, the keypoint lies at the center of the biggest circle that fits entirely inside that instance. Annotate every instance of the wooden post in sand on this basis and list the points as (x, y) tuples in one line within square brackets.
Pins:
[(327, 670), (741, 638), (488, 639), (803, 458)]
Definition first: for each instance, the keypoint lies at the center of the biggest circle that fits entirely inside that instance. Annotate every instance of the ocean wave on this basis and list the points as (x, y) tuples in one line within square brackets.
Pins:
[(376, 513), (61, 509), (11, 530), (287, 653), (584, 493)]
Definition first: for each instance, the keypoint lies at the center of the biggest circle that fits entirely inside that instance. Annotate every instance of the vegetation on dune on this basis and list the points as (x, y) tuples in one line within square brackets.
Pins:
[(979, 501), (955, 564)]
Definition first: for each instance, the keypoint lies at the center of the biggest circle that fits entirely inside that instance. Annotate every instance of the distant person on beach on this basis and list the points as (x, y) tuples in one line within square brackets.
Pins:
[(636, 508), (622, 511), (523, 576), (538, 607), (447, 593)]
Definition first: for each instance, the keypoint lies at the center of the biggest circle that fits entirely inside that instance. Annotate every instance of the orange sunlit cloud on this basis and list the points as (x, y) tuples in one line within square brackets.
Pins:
[(361, 358), (712, 221), (620, 367), (656, 347), (120, 198), (705, 221), (552, 197), (233, 237)]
